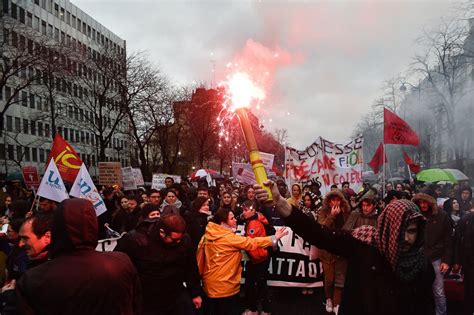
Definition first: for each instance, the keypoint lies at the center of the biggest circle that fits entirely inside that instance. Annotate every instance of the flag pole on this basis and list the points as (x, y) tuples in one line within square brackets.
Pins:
[(383, 157)]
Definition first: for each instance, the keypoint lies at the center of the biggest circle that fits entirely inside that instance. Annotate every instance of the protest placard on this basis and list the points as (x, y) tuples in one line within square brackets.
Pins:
[(158, 180), (128, 178), (110, 173), (326, 163)]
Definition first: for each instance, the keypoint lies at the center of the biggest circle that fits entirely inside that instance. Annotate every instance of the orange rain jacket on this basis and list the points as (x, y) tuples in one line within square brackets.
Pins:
[(219, 259)]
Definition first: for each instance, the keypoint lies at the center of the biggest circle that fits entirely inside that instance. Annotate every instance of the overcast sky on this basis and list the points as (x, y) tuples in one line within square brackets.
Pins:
[(330, 57)]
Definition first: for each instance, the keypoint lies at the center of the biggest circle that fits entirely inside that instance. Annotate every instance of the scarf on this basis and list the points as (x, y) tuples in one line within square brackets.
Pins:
[(388, 234)]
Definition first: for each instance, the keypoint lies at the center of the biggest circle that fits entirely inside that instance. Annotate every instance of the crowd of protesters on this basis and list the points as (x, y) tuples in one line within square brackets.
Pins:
[(178, 251)]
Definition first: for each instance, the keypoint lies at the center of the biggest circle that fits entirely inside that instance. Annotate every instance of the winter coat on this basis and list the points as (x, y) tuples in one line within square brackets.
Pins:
[(162, 268), (464, 240), (219, 259), (371, 287), (125, 221), (196, 223), (255, 227), (325, 218), (465, 205), (438, 232), (79, 280), (357, 219)]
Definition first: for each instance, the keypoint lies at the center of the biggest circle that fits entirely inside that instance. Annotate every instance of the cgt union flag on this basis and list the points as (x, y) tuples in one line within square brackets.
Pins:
[(84, 188), (397, 131), (66, 159)]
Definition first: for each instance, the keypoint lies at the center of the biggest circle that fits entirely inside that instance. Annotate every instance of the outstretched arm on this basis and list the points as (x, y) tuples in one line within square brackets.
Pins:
[(336, 241)]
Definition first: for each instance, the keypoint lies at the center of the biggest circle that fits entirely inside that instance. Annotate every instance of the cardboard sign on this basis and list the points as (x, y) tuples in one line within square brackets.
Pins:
[(31, 177), (110, 173)]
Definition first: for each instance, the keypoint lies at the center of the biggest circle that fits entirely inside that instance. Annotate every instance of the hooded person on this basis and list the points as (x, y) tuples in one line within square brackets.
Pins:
[(465, 199), (438, 244), (78, 279), (388, 272), (334, 265)]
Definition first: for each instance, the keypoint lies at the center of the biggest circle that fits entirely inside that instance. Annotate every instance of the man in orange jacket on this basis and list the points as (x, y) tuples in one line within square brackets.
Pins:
[(256, 289)]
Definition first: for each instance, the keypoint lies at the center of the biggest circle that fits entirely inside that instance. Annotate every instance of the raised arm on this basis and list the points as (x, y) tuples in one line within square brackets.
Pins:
[(336, 241)]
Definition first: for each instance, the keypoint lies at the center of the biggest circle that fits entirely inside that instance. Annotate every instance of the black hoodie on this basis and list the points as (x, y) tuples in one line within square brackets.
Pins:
[(78, 279)]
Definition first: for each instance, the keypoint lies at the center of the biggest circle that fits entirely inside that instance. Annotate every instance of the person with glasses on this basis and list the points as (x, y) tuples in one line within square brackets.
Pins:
[(164, 262)]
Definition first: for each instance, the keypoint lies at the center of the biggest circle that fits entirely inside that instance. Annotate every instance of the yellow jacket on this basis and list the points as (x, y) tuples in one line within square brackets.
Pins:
[(219, 259)]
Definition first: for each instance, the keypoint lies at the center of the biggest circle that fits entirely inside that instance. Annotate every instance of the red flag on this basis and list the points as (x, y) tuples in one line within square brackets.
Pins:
[(379, 159), (397, 131), (415, 168), (66, 159)]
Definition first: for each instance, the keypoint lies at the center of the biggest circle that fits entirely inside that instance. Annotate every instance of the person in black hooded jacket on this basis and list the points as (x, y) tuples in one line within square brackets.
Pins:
[(165, 260), (388, 272), (78, 279)]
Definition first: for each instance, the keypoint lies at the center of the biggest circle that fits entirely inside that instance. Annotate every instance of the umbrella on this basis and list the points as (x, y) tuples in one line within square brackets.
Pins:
[(203, 172), (434, 175), (458, 175)]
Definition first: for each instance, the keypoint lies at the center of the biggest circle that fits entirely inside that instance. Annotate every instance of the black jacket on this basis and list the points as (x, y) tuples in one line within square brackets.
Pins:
[(464, 239), (438, 231), (162, 269), (78, 279), (196, 223), (371, 287)]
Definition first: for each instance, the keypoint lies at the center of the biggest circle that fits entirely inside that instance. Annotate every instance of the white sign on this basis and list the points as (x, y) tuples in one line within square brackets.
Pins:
[(158, 180), (137, 175), (267, 160), (52, 185), (326, 163), (243, 173), (84, 188), (128, 180)]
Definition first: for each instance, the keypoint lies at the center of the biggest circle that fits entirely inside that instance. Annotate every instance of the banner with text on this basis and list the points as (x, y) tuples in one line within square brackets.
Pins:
[(296, 264), (326, 163)]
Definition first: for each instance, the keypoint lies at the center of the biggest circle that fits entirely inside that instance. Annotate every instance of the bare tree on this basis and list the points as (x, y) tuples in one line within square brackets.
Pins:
[(98, 88), (445, 66)]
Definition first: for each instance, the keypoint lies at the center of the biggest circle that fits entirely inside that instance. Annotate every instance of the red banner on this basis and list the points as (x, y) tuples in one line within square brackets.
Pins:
[(66, 159), (379, 159), (415, 168), (397, 131)]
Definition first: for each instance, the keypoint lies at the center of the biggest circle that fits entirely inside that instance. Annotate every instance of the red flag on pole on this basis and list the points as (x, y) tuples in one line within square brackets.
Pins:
[(397, 131), (66, 159), (415, 168), (379, 159)]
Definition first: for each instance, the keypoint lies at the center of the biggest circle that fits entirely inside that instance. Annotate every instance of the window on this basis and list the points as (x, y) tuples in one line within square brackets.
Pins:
[(25, 126), (68, 17), (41, 155), (83, 138), (26, 151), (38, 102), (8, 92), (62, 14), (22, 15), (46, 130), (71, 135), (24, 98), (32, 100), (33, 127), (66, 134), (56, 34), (14, 12), (37, 2), (29, 19), (73, 21), (78, 24), (40, 129), (2, 151), (36, 23), (77, 135), (9, 123), (17, 124), (43, 27), (19, 153), (11, 152), (60, 130), (50, 30), (87, 138), (34, 154)]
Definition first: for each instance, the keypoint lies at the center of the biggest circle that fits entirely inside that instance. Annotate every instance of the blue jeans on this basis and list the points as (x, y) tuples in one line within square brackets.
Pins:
[(438, 289)]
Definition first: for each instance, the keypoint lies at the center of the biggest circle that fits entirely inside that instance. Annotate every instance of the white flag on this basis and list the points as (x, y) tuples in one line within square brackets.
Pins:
[(52, 185), (84, 188)]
